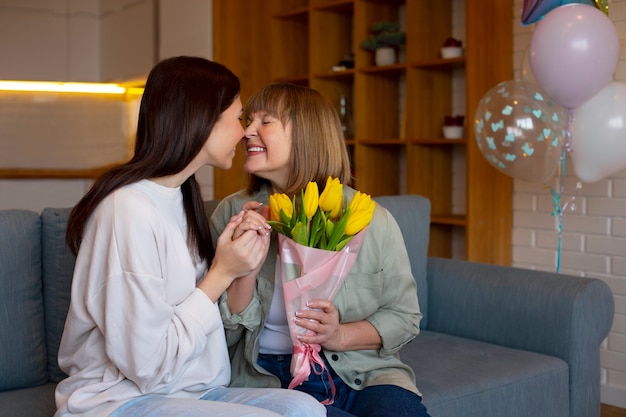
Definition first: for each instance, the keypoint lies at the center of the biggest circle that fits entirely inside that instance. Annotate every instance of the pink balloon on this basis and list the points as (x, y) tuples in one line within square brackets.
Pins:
[(574, 51), (599, 134)]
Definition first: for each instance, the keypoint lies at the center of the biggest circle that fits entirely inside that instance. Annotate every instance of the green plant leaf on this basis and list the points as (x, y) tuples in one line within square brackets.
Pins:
[(343, 242), (338, 229), (300, 234)]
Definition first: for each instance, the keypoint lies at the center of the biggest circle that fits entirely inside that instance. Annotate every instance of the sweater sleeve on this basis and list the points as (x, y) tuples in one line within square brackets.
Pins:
[(153, 318)]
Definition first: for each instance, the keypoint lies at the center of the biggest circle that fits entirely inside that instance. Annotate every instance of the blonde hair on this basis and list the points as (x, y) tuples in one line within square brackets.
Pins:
[(318, 144)]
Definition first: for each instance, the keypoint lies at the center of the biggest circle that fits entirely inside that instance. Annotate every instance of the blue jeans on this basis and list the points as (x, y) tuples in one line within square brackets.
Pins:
[(373, 401), (226, 402)]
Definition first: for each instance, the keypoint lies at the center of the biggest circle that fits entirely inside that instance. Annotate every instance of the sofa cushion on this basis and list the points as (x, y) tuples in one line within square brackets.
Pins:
[(23, 358), (464, 377), (412, 212), (58, 267), (29, 402)]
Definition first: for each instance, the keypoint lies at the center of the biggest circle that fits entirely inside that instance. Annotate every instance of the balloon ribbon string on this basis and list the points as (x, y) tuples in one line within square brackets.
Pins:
[(559, 208)]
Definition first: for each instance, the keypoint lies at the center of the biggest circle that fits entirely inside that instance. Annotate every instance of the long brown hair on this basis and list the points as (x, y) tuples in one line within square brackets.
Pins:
[(318, 143), (183, 98)]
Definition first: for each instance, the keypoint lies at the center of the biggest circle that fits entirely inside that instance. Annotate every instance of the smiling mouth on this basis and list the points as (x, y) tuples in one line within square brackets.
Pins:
[(256, 149)]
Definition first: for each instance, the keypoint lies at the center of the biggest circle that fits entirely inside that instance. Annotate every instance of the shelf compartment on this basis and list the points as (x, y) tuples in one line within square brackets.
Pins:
[(376, 169), (440, 63), (290, 9), (431, 25), (336, 6), (438, 141), (447, 241), (300, 14), (378, 108), (382, 142), (432, 101), (331, 39), (365, 15), (347, 74), (395, 69), (289, 34), (395, 2), (334, 89), (450, 220), (300, 79), (429, 170)]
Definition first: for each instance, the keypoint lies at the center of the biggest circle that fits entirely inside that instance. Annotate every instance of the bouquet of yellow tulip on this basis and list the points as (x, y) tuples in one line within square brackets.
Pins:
[(320, 221), (319, 240)]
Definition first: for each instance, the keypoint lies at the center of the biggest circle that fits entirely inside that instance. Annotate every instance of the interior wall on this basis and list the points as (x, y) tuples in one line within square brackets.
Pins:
[(80, 40), (593, 227)]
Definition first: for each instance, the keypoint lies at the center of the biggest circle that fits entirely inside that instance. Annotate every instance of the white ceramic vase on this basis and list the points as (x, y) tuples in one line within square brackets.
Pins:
[(385, 56)]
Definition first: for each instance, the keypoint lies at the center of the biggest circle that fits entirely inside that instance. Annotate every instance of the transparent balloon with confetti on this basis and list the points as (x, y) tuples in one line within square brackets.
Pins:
[(520, 130)]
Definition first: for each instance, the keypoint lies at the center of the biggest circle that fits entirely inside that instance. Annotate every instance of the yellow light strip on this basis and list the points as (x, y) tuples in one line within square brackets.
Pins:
[(134, 91), (62, 87)]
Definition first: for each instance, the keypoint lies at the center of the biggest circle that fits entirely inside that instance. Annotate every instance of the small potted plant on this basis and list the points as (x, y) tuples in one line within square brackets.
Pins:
[(385, 38), (452, 48), (453, 127)]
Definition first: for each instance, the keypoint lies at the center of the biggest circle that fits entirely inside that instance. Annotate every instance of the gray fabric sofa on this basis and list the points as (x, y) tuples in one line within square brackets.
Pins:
[(496, 341)]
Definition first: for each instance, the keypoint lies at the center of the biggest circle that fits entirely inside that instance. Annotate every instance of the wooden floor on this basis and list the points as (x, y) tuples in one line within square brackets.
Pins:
[(610, 411)]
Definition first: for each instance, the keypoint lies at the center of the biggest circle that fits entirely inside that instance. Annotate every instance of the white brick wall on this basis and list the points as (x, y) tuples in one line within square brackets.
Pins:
[(61, 40), (593, 240)]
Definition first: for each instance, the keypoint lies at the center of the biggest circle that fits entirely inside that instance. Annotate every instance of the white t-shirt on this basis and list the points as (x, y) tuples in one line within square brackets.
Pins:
[(274, 338), (137, 324)]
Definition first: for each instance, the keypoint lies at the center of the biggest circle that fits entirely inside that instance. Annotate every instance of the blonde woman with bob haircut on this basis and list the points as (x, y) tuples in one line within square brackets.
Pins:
[(294, 136)]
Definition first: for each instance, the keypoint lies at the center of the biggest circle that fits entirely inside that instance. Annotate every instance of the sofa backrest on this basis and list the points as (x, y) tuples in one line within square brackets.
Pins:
[(22, 344), (35, 283), (412, 212), (58, 269)]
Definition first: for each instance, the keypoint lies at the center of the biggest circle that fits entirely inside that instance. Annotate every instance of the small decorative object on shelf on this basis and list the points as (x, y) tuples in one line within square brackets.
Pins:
[(346, 63), (385, 38), (452, 48), (453, 127), (345, 115)]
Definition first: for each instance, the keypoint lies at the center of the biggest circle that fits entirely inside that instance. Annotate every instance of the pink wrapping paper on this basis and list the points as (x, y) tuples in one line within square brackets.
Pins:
[(311, 274)]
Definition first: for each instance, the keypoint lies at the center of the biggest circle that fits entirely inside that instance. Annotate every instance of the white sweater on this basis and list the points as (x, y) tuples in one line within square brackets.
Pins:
[(137, 324)]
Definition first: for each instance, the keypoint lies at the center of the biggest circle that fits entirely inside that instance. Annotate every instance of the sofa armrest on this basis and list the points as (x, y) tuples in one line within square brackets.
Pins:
[(550, 313)]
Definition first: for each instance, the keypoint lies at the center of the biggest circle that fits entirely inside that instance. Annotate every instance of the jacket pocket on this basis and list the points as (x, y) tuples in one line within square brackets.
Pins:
[(360, 296)]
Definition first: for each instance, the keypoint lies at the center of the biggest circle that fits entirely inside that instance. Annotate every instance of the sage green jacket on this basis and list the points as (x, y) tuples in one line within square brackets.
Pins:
[(380, 288)]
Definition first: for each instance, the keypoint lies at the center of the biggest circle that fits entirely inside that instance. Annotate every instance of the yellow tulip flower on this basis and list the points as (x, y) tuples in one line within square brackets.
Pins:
[(320, 221), (331, 198), (280, 202), (274, 210), (361, 213), (311, 199)]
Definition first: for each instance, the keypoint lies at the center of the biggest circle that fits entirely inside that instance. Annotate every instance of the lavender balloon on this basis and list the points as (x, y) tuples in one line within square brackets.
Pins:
[(573, 53)]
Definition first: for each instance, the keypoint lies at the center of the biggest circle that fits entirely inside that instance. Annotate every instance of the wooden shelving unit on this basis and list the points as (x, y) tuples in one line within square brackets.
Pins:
[(398, 110)]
